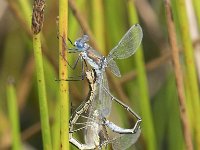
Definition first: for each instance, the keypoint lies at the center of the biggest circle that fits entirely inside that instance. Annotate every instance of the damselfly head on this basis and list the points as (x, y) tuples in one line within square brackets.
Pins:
[(81, 44)]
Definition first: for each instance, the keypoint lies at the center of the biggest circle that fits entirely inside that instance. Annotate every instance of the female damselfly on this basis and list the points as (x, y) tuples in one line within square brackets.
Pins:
[(96, 125)]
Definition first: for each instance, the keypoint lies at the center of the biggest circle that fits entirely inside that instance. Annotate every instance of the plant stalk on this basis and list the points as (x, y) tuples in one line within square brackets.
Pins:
[(189, 65), (179, 77), (145, 106), (44, 116), (14, 117), (63, 74)]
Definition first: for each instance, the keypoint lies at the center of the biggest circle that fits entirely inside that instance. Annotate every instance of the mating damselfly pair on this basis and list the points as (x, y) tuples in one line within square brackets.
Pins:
[(98, 105)]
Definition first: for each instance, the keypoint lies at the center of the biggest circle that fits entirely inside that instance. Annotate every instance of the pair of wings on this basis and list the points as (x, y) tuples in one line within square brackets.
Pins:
[(126, 47)]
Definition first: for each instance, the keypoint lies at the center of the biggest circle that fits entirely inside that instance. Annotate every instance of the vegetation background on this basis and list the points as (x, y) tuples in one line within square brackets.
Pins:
[(148, 82)]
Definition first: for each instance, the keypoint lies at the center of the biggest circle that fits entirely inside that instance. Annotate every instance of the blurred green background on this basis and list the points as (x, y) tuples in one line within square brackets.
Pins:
[(147, 84)]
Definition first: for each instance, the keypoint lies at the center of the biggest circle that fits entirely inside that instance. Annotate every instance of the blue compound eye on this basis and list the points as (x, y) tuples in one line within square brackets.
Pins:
[(80, 45)]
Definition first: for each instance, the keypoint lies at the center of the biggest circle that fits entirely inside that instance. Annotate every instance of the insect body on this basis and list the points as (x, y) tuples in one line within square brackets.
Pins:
[(95, 131), (124, 49), (96, 125), (101, 101)]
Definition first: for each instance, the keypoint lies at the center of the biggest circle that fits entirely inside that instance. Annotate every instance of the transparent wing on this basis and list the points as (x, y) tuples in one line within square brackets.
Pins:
[(102, 101), (104, 98), (128, 45), (125, 141), (114, 68)]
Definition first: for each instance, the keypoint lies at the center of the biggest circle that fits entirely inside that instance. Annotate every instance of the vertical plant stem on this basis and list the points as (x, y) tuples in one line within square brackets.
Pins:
[(26, 10), (196, 4), (56, 129), (63, 74), (98, 23), (42, 93), (190, 65), (145, 106), (179, 77), (83, 23), (14, 117)]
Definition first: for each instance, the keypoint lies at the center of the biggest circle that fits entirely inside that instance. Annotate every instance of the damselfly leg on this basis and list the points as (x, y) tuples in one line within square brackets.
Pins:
[(90, 123), (96, 124), (124, 141), (73, 67), (99, 106), (117, 129)]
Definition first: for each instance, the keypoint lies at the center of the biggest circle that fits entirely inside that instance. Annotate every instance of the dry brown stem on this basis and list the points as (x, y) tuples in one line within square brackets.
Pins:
[(178, 76), (83, 23)]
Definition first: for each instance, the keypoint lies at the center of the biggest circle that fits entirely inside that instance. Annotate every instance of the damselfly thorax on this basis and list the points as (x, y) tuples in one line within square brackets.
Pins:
[(96, 61), (100, 100)]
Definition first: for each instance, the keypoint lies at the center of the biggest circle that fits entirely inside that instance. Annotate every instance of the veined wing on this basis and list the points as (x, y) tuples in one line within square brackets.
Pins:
[(104, 98), (102, 101), (128, 45), (114, 68), (125, 141)]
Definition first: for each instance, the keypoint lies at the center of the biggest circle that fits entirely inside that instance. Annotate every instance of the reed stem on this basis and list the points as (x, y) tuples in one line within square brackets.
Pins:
[(42, 93), (189, 64), (98, 24), (63, 74), (14, 117), (179, 77), (145, 105), (26, 11), (196, 4)]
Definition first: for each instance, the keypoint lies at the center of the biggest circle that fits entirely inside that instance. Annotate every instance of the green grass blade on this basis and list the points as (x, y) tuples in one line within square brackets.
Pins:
[(179, 77), (14, 117), (189, 64), (196, 4), (145, 107), (26, 11), (98, 24), (56, 129), (168, 116)]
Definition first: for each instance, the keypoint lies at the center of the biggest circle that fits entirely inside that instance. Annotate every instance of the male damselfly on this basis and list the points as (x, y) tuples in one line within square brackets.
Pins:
[(126, 47)]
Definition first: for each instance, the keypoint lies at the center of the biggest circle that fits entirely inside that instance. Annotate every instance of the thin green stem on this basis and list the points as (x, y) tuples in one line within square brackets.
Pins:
[(14, 117), (179, 77), (98, 24), (56, 129), (196, 4), (26, 11), (190, 64), (145, 106), (63, 74), (42, 93)]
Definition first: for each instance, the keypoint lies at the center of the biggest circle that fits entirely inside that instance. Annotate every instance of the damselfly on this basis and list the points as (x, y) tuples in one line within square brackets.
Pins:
[(96, 125), (95, 130), (126, 47)]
